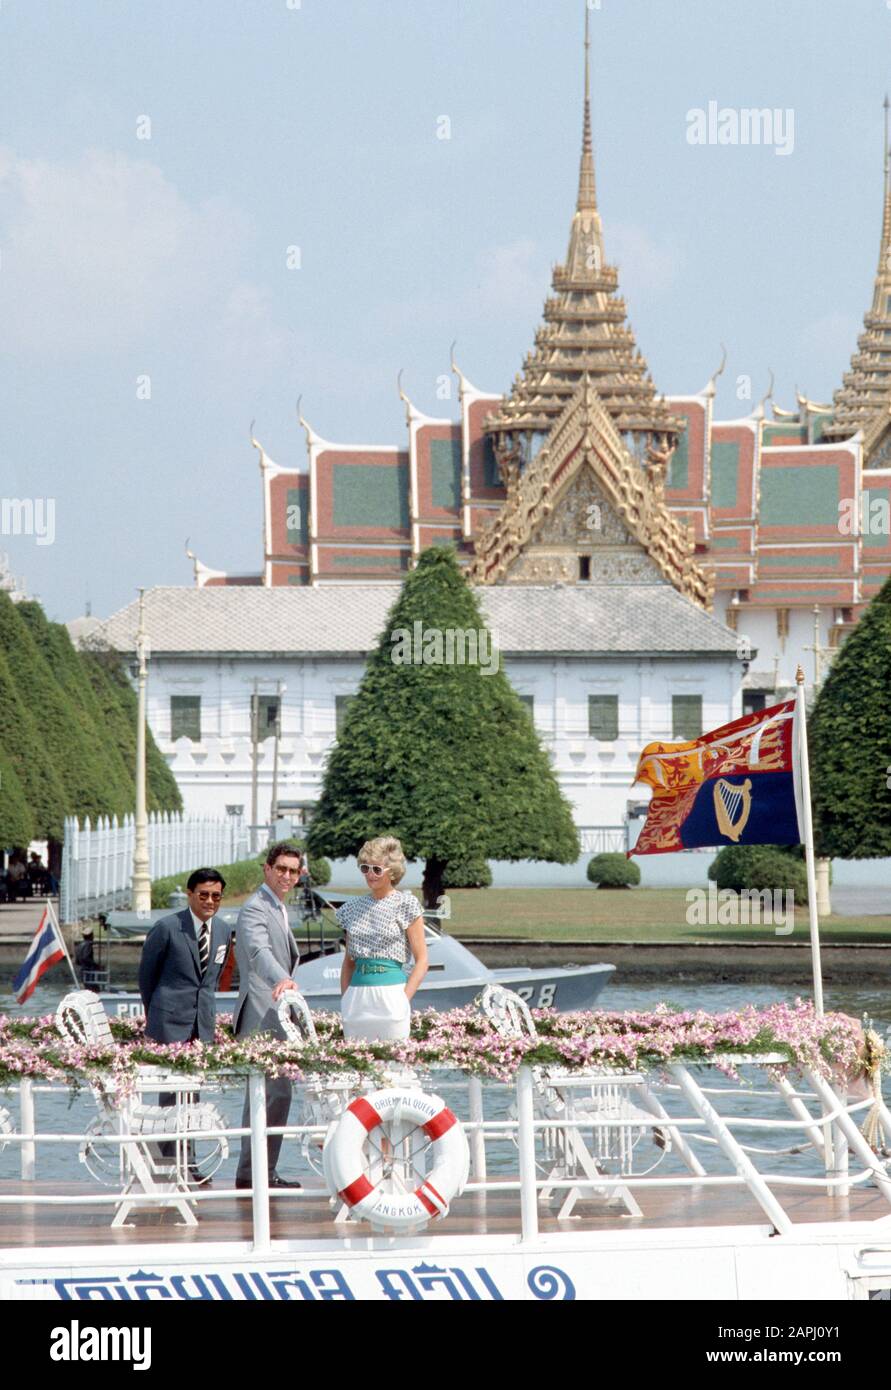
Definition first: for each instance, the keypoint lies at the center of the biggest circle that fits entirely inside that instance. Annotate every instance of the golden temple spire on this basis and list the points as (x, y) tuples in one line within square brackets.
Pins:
[(587, 199), (865, 392), (885, 253)]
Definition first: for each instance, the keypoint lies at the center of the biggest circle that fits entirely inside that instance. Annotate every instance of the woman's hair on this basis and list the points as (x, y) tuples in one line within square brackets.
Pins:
[(386, 851)]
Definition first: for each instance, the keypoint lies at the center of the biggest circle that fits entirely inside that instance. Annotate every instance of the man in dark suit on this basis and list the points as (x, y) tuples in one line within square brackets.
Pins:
[(179, 968)]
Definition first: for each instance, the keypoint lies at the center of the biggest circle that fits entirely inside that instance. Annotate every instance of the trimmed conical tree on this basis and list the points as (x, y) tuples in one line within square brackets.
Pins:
[(849, 741), (54, 644), (70, 748), (437, 751), (25, 749), (117, 701), (17, 824)]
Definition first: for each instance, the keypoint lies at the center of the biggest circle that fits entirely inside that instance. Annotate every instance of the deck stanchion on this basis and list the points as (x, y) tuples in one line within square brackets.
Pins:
[(26, 1110), (478, 1137), (259, 1160), (526, 1146), (851, 1132), (801, 1112), (840, 1163), (731, 1148)]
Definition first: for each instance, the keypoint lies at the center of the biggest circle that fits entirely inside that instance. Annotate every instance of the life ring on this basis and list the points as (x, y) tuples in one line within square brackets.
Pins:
[(346, 1170)]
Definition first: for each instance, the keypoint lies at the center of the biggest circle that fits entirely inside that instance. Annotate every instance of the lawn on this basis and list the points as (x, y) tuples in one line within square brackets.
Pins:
[(638, 914)]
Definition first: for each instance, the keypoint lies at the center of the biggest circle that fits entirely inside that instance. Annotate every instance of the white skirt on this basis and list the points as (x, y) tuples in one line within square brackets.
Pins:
[(380, 1013)]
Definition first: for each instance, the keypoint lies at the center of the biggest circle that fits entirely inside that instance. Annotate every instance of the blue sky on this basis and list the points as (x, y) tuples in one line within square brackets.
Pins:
[(314, 125)]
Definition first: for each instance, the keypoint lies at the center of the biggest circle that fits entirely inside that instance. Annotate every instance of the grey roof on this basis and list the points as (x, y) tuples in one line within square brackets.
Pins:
[(347, 619)]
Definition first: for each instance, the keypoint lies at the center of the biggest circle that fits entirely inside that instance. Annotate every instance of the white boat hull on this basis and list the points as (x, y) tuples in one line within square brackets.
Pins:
[(715, 1264)]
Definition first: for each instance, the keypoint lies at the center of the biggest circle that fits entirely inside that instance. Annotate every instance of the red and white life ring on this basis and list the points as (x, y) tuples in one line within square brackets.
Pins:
[(345, 1165)]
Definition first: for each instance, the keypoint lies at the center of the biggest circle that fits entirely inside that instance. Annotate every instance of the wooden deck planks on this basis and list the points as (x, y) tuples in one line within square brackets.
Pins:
[(493, 1213)]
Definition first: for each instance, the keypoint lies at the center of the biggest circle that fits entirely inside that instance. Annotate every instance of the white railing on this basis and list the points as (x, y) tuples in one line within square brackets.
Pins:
[(603, 839), (97, 860), (822, 1118)]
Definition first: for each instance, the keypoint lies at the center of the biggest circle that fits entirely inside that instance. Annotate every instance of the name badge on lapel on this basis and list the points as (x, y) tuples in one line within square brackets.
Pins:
[(220, 955)]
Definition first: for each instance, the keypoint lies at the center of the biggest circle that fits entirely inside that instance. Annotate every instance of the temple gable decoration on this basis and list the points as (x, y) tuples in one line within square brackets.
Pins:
[(585, 510)]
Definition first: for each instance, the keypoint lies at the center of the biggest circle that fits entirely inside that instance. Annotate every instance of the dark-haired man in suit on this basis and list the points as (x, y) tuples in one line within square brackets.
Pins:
[(180, 966)]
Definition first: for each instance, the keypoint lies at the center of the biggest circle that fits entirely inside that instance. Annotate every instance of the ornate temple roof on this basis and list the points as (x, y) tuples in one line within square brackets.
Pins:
[(585, 332), (585, 438), (863, 399)]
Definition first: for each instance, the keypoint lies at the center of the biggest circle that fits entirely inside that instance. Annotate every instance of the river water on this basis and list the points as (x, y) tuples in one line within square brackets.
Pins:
[(58, 1112)]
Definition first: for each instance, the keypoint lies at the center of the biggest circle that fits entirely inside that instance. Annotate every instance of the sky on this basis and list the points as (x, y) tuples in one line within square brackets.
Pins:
[(210, 209)]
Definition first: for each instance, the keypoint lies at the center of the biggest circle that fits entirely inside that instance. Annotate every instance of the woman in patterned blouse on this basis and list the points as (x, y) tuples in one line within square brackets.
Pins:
[(382, 930)]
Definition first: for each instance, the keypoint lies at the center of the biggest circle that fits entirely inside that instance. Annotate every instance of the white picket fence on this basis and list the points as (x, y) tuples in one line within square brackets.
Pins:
[(97, 860)]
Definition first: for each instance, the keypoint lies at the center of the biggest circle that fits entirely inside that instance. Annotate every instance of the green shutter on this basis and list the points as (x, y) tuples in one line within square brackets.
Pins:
[(603, 717), (185, 717), (529, 702), (686, 717)]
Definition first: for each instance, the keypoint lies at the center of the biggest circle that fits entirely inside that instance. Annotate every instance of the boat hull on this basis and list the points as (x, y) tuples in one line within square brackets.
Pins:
[(566, 990), (721, 1263)]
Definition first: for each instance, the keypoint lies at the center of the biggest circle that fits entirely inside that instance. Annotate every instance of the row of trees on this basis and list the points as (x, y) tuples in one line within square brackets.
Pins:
[(67, 731)]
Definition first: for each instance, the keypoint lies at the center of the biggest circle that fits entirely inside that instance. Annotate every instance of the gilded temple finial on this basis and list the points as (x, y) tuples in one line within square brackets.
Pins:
[(587, 199)]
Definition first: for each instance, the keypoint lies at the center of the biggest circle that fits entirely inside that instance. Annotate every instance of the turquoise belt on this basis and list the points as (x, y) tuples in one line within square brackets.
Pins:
[(378, 972)]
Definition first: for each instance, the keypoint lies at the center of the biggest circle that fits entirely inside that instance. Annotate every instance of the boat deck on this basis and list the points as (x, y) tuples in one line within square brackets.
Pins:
[(310, 1217)]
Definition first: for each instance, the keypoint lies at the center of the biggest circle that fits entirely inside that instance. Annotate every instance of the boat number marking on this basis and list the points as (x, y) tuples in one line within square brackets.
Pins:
[(545, 995)]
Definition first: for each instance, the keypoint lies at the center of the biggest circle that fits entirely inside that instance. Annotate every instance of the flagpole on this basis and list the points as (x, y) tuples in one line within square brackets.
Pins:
[(808, 829), (57, 929)]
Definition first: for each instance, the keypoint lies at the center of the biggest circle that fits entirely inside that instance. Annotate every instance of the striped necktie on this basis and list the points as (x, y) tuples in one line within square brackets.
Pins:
[(204, 945)]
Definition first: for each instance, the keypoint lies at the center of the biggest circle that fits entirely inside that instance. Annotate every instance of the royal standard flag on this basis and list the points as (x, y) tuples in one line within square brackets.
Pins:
[(738, 785)]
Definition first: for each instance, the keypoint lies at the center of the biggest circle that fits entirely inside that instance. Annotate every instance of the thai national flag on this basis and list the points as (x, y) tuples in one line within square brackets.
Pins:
[(46, 949)]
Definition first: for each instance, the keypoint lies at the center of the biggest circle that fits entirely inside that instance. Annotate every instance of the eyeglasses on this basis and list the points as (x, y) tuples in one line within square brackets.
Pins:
[(209, 897), (280, 869), (375, 869)]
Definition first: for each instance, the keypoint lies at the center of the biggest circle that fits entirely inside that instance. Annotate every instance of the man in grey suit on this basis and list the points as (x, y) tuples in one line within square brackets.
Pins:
[(267, 957), (180, 966)]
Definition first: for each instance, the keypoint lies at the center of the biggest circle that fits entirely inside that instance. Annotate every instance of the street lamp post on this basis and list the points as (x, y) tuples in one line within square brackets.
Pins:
[(142, 887)]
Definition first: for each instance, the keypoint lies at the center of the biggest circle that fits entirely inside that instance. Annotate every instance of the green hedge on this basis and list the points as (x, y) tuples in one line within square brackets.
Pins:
[(760, 866), (613, 871), (467, 873)]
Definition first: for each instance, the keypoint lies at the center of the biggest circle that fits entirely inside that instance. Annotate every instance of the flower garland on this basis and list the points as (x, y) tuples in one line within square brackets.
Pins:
[(461, 1039)]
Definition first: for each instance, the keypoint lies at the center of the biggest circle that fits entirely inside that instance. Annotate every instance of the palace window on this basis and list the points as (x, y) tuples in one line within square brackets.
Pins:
[(755, 700), (185, 717), (529, 702), (267, 716), (603, 718), (782, 622), (341, 705), (686, 717)]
